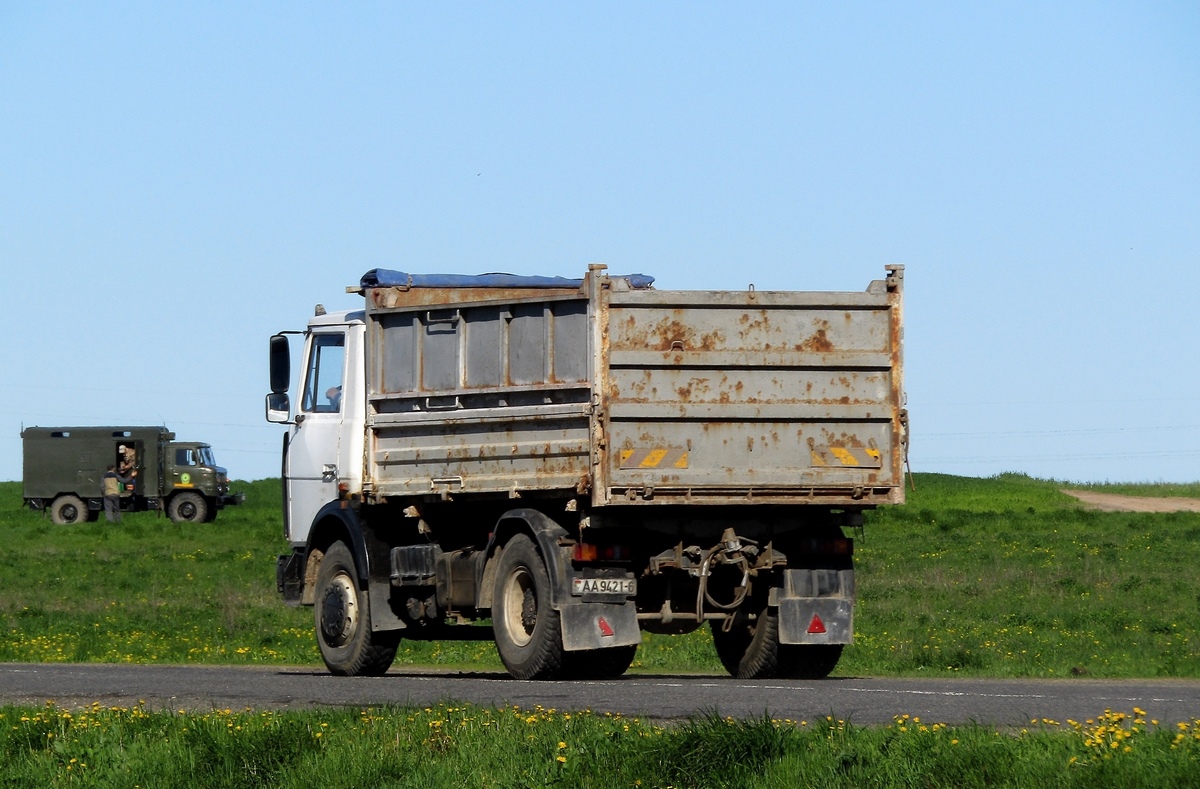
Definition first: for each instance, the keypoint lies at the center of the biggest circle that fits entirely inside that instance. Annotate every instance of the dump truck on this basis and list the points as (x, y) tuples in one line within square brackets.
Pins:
[(561, 465), (64, 466)]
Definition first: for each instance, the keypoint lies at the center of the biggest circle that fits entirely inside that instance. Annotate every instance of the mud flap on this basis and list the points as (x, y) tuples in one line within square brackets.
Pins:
[(599, 625), (383, 618), (816, 620), (289, 577)]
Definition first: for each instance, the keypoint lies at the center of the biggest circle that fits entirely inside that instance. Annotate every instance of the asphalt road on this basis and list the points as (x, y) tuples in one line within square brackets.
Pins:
[(859, 700)]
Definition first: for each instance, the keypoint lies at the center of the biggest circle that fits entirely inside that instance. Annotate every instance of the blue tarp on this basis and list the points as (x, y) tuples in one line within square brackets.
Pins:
[(387, 278)]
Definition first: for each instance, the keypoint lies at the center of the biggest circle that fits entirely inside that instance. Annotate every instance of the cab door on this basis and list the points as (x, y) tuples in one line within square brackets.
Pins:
[(311, 466)]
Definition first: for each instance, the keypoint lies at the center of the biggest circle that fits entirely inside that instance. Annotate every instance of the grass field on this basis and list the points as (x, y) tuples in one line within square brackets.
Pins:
[(463, 745), (978, 577)]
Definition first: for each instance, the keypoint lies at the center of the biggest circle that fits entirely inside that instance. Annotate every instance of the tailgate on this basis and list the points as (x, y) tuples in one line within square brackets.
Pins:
[(774, 397)]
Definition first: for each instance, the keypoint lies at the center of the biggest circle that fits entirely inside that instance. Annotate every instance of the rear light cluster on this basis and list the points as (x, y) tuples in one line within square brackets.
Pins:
[(587, 552), (839, 546)]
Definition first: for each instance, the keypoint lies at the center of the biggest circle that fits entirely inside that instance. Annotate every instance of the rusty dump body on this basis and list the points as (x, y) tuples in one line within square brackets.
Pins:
[(625, 397)]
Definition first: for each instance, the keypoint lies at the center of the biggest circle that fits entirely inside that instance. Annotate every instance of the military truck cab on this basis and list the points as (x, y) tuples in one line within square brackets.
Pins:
[(64, 468)]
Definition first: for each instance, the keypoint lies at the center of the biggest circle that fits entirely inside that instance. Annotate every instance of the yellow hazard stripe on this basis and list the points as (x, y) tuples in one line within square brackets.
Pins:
[(653, 458), (656, 457), (853, 457), (844, 455)]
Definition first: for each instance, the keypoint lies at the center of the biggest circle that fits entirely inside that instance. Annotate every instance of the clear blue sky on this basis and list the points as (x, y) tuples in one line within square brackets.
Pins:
[(180, 180)]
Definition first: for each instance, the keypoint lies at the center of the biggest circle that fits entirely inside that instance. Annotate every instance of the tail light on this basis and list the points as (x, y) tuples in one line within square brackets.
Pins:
[(838, 546), (590, 552)]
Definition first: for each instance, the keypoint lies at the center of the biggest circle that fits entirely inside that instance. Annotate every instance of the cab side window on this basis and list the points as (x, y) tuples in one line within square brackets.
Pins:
[(184, 457), (323, 378)]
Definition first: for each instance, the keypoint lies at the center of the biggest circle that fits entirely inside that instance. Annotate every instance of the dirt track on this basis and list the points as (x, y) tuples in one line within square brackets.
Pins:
[(1109, 502)]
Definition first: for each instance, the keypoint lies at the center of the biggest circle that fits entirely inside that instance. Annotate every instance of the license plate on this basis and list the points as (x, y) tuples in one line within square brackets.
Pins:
[(624, 586)]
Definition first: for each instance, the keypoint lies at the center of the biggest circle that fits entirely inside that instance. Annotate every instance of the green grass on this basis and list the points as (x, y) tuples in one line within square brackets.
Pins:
[(977, 577), (1160, 490), (465, 745), (1008, 577)]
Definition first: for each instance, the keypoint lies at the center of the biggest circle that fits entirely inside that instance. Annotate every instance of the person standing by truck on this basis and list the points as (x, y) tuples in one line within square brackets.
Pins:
[(114, 483)]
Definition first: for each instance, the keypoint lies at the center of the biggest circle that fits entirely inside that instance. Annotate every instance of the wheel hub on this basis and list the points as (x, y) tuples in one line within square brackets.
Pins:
[(520, 607), (338, 611)]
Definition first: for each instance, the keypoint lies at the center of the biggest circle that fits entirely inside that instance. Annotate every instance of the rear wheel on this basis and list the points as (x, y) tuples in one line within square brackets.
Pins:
[(528, 631), (188, 508), (343, 620), (751, 650), (809, 661), (599, 663), (68, 509)]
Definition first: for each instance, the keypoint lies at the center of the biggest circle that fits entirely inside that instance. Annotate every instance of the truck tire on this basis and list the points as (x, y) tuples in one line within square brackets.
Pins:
[(342, 614), (598, 663), (809, 661), (188, 508), (528, 631), (753, 651), (68, 509)]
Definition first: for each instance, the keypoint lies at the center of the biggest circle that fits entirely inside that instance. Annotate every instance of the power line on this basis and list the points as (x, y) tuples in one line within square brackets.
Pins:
[(1082, 431), (1038, 458)]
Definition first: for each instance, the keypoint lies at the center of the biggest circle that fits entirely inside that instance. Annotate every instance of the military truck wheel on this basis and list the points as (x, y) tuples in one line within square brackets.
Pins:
[(68, 509), (343, 620), (188, 508), (752, 651), (527, 630)]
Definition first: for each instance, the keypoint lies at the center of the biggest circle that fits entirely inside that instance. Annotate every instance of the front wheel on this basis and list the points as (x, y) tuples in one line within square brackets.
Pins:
[(188, 508), (68, 509), (343, 620), (528, 631)]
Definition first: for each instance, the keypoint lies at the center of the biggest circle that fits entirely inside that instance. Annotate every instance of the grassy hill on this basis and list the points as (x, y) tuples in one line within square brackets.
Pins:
[(1003, 576)]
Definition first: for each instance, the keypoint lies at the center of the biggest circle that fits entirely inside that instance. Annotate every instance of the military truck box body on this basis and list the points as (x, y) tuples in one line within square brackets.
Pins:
[(62, 463), (672, 457)]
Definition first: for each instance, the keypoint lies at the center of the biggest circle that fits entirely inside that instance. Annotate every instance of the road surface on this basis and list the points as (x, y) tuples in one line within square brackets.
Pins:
[(860, 700)]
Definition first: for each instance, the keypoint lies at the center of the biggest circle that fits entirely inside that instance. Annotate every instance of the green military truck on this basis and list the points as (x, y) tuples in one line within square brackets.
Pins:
[(64, 467)]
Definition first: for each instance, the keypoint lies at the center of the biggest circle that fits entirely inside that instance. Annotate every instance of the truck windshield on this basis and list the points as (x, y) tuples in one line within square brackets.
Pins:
[(323, 380), (206, 457)]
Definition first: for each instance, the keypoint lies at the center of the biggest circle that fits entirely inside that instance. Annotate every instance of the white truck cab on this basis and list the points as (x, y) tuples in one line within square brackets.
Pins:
[(323, 461)]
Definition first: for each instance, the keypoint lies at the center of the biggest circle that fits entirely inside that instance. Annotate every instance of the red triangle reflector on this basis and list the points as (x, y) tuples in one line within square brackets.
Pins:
[(605, 628), (816, 625)]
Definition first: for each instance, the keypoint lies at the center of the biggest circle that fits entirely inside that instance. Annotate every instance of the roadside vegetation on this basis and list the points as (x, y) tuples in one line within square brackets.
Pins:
[(464, 745), (973, 577)]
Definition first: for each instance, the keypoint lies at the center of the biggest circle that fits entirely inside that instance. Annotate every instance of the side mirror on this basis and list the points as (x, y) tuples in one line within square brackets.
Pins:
[(279, 408), (281, 364)]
